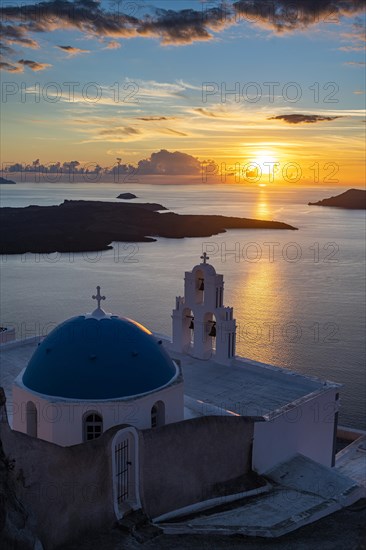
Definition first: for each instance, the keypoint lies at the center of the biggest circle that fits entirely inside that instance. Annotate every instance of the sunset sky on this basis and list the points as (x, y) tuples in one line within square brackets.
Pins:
[(171, 62)]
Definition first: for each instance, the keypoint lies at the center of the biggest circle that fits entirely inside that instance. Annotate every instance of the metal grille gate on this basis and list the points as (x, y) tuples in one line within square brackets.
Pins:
[(122, 466)]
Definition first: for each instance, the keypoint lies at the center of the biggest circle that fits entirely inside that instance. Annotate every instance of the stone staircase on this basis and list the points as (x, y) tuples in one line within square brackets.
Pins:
[(303, 491)]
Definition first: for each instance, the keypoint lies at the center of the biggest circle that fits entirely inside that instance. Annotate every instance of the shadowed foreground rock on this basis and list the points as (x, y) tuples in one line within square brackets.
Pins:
[(16, 527), (82, 226)]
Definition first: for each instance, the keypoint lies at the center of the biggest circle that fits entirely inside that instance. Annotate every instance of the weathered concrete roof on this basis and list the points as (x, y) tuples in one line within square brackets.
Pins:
[(246, 387)]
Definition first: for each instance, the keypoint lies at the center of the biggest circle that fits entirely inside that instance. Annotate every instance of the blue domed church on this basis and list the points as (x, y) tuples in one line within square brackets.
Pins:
[(95, 371), (101, 425)]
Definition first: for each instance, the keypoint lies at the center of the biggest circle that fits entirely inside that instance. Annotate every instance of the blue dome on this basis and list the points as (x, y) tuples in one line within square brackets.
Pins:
[(90, 358)]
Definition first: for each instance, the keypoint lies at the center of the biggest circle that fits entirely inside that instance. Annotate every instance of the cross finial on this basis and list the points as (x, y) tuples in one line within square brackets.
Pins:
[(204, 257), (98, 297)]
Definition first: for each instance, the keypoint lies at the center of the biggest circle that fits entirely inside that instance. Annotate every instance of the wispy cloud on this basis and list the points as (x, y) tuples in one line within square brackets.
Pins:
[(355, 63), (355, 34), (10, 67), (34, 65), (12, 34), (300, 118), (121, 131), (352, 48), (171, 131), (72, 50), (113, 45), (205, 112), (154, 118)]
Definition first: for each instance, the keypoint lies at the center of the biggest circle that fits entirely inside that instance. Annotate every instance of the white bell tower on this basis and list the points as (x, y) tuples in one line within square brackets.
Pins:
[(202, 326)]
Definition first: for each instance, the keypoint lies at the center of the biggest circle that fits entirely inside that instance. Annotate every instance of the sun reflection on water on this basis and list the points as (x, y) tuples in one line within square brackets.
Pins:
[(262, 312), (262, 210)]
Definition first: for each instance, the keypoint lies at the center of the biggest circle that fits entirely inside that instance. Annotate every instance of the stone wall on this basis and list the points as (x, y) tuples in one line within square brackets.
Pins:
[(65, 491), (182, 463)]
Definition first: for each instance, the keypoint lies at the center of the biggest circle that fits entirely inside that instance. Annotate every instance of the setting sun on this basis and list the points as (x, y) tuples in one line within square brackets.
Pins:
[(267, 161)]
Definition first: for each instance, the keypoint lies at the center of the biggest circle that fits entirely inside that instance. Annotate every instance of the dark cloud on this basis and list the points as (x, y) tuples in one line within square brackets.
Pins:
[(4, 66), (85, 15), (170, 26), (72, 50), (184, 26), (17, 35), (299, 119), (154, 118), (34, 65), (172, 164), (89, 17), (287, 15), (126, 131)]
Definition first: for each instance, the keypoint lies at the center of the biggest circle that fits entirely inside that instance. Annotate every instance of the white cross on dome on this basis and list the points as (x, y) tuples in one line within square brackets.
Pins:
[(98, 297)]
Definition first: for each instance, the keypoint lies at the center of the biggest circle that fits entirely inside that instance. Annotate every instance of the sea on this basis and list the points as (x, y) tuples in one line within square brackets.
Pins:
[(298, 296)]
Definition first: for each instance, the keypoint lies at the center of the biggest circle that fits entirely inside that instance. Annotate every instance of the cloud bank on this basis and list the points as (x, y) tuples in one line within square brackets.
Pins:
[(171, 164), (160, 163), (288, 15), (171, 27)]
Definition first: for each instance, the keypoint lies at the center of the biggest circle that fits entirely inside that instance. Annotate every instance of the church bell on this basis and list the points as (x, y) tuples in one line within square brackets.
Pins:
[(213, 330)]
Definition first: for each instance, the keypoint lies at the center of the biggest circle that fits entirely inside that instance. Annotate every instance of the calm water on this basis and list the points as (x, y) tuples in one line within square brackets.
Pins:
[(298, 297)]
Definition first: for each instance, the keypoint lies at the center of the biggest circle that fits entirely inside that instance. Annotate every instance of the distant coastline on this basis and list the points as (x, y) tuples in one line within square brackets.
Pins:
[(353, 199), (83, 226), (4, 181)]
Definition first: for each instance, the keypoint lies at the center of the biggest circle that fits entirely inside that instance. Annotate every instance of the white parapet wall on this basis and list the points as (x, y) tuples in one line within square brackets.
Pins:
[(306, 426)]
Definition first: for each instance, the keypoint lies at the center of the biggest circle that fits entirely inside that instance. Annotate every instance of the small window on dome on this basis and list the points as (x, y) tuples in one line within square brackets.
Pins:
[(93, 426)]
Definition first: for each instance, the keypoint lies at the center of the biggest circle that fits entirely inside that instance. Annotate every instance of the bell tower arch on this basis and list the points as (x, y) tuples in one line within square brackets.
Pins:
[(202, 326)]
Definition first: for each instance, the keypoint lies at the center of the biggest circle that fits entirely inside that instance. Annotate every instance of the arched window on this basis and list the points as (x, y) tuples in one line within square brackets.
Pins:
[(32, 419), (200, 286), (93, 426), (158, 414)]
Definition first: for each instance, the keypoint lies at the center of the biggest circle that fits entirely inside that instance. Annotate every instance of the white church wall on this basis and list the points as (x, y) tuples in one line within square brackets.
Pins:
[(45, 413), (306, 428), (62, 422)]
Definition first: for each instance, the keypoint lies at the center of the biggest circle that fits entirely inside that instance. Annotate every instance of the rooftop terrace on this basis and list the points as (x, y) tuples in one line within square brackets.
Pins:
[(252, 389), (245, 388)]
